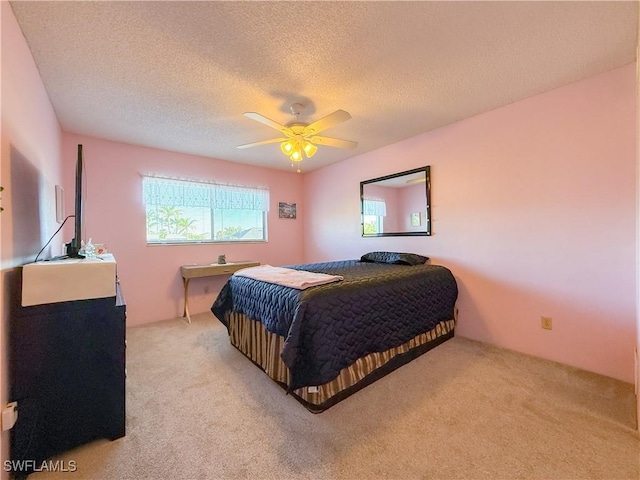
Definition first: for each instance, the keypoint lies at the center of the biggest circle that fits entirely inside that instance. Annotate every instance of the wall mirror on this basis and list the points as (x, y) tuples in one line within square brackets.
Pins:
[(397, 205)]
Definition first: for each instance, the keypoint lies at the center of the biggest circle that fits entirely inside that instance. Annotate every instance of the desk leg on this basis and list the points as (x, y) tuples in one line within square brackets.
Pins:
[(186, 299)]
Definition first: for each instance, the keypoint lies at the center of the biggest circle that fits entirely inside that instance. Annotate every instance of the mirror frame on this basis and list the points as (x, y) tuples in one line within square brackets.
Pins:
[(427, 172)]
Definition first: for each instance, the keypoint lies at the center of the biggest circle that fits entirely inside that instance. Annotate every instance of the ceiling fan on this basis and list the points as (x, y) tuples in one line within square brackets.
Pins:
[(301, 138)]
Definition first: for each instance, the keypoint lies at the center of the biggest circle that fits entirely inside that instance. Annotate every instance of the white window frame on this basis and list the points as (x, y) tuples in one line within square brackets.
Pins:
[(210, 202)]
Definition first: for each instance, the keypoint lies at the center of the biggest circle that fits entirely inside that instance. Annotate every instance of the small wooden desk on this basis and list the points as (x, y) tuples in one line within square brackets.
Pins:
[(211, 270)]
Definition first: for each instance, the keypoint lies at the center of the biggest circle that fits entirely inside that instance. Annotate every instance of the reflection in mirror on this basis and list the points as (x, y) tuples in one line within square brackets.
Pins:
[(397, 205)]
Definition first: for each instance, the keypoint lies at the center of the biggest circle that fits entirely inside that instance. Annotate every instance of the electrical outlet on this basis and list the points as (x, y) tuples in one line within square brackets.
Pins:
[(9, 415), (546, 323)]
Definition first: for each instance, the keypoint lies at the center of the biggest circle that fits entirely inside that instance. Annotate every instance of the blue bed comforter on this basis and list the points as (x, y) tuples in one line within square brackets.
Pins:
[(376, 307)]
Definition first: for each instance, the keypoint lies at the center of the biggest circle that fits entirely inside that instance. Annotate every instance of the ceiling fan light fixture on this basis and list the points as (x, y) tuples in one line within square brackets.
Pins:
[(296, 156), (287, 147), (310, 149)]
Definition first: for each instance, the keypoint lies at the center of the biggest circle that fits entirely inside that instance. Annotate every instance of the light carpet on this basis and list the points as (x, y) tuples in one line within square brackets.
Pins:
[(198, 409)]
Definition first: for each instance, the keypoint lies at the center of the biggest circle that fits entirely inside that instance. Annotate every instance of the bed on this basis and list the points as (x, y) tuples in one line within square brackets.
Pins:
[(322, 343)]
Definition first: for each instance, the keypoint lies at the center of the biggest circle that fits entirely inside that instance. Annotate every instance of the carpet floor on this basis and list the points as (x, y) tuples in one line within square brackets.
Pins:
[(198, 409)]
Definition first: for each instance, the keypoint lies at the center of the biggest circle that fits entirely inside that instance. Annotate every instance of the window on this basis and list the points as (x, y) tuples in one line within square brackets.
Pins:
[(181, 211), (374, 212)]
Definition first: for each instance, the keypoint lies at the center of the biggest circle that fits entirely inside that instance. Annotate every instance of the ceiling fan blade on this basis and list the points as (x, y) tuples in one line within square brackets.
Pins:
[(330, 120), (268, 122), (333, 142), (263, 142)]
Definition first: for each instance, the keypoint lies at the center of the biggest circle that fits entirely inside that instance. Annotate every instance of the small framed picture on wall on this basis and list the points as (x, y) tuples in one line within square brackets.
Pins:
[(286, 210)]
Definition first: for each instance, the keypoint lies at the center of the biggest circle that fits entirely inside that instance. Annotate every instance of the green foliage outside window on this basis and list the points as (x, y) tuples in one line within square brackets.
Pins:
[(168, 221)]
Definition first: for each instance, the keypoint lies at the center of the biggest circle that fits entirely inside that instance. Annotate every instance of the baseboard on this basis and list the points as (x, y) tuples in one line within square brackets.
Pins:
[(636, 370), (636, 358)]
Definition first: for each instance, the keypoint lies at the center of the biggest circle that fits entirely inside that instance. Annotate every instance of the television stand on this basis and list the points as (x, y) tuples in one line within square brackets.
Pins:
[(67, 360)]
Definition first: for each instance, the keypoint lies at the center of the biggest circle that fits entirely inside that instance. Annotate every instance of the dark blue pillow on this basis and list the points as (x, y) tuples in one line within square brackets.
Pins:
[(394, 257)]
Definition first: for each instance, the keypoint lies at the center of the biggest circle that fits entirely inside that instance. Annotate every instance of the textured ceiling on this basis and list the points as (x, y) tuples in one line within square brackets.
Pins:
[(179, 75)]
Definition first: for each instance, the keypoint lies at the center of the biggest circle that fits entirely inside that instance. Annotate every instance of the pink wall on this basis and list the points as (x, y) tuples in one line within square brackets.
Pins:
[(30, 167), (115, 215), (637, 362), (534, 210)]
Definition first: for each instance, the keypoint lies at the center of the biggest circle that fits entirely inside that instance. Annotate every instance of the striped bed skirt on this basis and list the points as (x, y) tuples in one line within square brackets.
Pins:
[(263, 349)]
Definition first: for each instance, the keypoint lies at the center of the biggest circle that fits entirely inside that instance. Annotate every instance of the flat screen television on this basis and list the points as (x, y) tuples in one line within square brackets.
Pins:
[(73, 247)]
